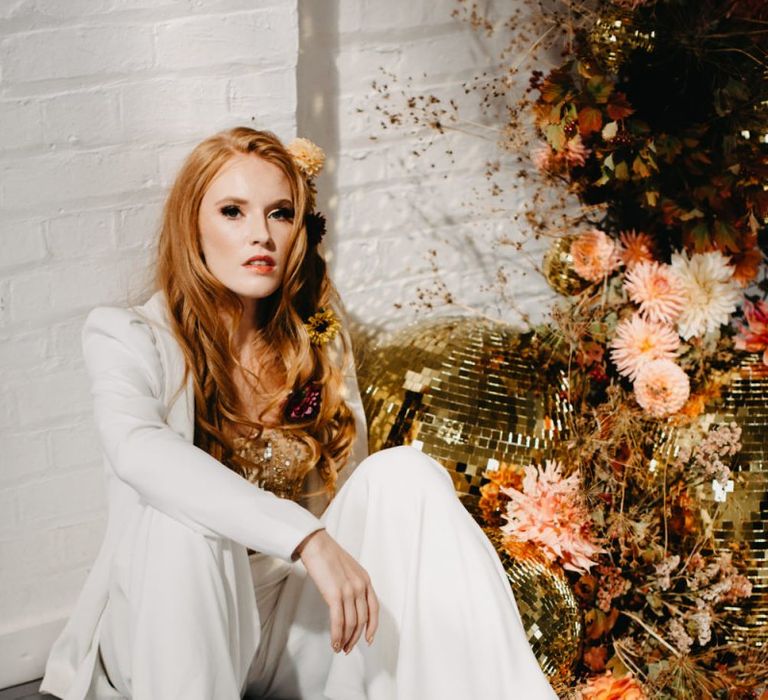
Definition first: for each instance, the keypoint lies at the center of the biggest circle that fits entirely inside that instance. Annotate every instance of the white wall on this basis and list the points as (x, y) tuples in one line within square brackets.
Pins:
[(387, 207), (99, 101)]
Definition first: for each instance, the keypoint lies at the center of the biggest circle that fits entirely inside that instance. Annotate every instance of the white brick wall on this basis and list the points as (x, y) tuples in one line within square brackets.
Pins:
[(388, 208), (99, 102)]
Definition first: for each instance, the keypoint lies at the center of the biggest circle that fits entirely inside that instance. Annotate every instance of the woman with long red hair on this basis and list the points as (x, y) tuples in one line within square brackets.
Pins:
[(251, 540)]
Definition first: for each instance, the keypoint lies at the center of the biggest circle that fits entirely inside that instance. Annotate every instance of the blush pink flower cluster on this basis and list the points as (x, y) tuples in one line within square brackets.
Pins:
[(551, 513), (754, 336)]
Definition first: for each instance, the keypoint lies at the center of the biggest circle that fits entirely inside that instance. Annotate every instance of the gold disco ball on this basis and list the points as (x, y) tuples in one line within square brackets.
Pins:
[(557, 267), (616, 34), (744, 514), (551, 615), (461, 390)]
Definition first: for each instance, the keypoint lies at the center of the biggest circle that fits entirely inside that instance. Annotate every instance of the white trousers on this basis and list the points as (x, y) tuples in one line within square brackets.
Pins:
[(449, 627)]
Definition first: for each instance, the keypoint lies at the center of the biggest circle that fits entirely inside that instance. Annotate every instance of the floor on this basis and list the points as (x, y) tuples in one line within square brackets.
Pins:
[(28, 691)]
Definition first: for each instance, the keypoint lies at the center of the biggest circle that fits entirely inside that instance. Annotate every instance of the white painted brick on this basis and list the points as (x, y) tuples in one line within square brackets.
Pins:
[(67, 289), (55, 9), (65, 341), (74, 493), (138, 227), (72, 446), (261, 37), (24, 455), (71, 236), (359, 65), (380, 16), (8, 411), (82, 117), (21, 124), (73, 52), (8, 509), (21, 242), (261, 93), (35, 553), (63, 177), (22, 351), (35, 405), (169, 109)]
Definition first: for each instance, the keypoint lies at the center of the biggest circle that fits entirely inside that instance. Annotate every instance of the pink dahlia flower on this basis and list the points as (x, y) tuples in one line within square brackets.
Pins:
[(639, 341), (595, 255), (662, 388), (754, 336), (550, 512), (657, 290), (608, 687)]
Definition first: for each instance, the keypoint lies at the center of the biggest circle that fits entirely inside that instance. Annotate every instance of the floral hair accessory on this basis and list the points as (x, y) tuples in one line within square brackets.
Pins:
[(315, 223), (303, 404), (309, 157), (322, 326)]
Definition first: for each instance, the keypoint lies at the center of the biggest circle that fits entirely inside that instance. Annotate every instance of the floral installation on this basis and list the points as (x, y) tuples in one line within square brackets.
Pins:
[(322, 326), (648, 140)]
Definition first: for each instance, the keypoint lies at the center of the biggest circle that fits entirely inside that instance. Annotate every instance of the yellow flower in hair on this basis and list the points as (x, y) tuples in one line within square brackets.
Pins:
[(309, 157), (322, 326)]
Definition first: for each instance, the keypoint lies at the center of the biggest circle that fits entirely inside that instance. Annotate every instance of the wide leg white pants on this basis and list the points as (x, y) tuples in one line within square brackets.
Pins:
[(449, 627)]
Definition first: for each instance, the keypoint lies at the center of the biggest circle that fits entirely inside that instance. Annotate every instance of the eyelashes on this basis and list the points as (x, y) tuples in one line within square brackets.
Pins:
[(232, 211)]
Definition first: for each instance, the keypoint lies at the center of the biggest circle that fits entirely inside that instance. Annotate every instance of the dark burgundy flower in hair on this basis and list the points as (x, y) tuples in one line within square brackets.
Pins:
[(303, 404), (315, 223)]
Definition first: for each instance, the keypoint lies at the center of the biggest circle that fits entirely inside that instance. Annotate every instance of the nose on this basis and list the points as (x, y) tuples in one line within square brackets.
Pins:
[(259, 230)]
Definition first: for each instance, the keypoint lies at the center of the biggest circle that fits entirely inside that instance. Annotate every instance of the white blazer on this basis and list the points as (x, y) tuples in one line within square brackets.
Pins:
[(136, 366)]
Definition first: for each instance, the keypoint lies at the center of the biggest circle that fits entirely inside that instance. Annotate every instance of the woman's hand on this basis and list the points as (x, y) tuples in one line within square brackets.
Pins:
[(345, 586)]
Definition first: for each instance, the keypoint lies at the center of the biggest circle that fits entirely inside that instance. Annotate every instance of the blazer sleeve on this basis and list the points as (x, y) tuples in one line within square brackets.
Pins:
[(169, 472)]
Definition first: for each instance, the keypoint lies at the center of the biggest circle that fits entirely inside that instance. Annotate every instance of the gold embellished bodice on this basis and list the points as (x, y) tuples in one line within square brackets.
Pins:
[(278, 461)]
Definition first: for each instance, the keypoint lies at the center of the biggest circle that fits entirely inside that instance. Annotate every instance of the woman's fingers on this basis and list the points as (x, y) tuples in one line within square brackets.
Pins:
[(373, 614), (350, 616), (337, 623), (361, 606)]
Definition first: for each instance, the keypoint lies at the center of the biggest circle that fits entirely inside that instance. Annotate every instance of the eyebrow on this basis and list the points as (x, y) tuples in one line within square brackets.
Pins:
[(239, 200)]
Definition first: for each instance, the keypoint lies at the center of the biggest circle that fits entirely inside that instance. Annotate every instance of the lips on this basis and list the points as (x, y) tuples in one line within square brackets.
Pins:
[(259, 260)]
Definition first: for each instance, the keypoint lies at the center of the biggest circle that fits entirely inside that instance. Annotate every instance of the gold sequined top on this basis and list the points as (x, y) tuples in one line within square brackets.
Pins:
[(278, 461)]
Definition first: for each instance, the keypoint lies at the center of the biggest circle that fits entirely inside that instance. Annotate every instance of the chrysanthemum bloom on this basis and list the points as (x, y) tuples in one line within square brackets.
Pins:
[(662, 387), (595, 255), (635, 248), (607, 687), (711, 294), (550, 512), (575, 152), (308, 156), (639, 341), (657, 290), (754, 336)]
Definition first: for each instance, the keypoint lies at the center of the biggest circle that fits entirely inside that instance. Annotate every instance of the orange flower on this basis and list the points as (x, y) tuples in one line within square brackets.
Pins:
[(745, 265), (492, 500), (606, 687), (635, 248), (595, 255)]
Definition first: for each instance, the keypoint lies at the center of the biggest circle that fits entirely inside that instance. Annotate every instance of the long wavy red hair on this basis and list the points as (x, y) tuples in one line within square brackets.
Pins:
[(197, 301)]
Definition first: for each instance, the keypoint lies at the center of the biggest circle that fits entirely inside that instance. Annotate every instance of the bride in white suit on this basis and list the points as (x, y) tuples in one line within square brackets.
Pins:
[(252, 545)]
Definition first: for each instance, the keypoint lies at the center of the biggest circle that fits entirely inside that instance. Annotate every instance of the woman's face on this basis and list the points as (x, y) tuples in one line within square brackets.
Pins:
[(247, 214)]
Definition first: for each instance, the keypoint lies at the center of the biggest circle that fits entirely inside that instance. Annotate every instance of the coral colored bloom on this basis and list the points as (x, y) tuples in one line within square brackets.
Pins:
[(711, 294), (639, 341), (550, 512), (635, 248), (658, 291), (607, 687), (754, 336), (662, 388), (746, 265), (595, 255)]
